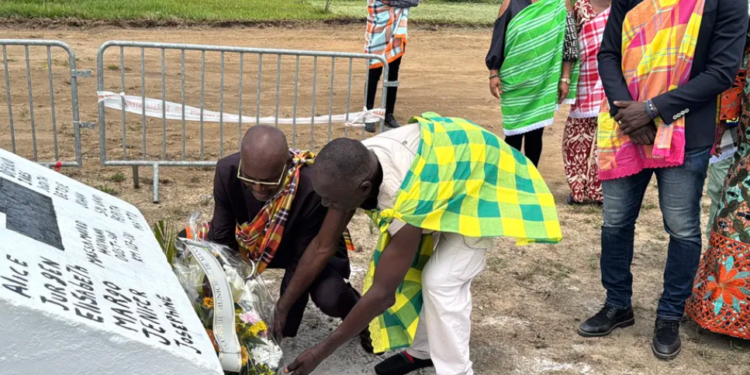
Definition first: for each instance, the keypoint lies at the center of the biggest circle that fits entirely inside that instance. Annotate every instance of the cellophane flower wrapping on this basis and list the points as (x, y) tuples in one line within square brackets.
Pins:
[(253, 305)]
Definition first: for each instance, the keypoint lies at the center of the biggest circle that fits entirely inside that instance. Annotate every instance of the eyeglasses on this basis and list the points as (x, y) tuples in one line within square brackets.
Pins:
[(250, 181)]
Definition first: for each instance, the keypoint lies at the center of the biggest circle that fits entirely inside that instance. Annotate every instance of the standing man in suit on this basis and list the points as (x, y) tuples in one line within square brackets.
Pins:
[(663, 65)]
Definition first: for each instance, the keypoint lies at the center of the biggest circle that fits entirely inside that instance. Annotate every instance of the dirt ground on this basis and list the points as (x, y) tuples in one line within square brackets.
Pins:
[(529, 300)]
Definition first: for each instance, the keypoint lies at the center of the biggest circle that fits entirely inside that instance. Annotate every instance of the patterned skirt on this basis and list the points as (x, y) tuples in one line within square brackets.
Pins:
[(579, 159), (721, 298)]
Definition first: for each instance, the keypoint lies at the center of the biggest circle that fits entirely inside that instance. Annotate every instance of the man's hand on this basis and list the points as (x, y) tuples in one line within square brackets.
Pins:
[(495, 88), (562, 91), (631, 116), (306, 362), (394, 263), (279, 321), (644, 135), (316, 254)]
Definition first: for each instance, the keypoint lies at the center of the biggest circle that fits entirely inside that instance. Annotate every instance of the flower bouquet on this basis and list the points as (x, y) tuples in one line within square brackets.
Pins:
[(219, 282)]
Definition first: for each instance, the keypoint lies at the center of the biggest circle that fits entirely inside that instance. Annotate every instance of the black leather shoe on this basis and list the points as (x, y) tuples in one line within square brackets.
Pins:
[(391, 122), (605, 321), (401, 364), (370, 127), (667, 343)]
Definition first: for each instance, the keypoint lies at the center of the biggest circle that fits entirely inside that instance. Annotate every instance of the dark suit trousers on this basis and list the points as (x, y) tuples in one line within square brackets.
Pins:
[(329, 292)]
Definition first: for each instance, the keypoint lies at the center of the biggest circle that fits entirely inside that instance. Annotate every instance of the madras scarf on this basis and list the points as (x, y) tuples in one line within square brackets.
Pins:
[(658, 44), (463, 180), (386, 31), (590, 89), (259, 239), (531, 72)]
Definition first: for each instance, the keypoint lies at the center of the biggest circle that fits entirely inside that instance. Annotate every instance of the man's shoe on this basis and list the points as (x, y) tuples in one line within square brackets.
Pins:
[(370, 127), (605, 321), (667, 343), (391, 122), (366, 341), (401, 364)]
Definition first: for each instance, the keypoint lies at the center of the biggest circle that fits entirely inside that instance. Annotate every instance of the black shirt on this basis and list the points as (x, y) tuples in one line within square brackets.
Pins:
[(717, 59), (235, 204)]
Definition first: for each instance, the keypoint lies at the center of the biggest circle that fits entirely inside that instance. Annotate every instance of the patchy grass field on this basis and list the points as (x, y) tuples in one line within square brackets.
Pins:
[(464, 13), (192, 10), (478, 12), (529, 300)]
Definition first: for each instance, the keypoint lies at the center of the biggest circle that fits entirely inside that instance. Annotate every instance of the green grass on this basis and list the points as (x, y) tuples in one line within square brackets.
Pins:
[(190, 10), (108, 190), (472, 12), (117, 177), (460, 12)]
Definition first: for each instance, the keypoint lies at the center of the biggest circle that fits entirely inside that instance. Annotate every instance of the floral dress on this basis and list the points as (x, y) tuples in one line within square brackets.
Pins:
[(721, 297)]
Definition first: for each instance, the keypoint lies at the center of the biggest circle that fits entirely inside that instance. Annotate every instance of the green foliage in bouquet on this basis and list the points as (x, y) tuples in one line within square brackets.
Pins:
[(166, 236)]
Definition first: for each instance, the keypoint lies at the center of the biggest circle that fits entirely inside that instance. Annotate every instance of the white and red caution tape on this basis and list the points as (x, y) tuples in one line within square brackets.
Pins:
[(173, 111)]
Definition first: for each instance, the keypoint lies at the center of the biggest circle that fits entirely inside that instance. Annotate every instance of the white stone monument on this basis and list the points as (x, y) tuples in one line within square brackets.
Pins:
[(85, 287)]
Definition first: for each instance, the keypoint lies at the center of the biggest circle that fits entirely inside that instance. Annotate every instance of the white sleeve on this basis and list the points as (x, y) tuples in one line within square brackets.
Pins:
[(395, 226)]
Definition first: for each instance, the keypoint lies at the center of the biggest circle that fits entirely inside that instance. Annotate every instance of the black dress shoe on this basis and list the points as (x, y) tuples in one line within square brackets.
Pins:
[(391, 122), (401, 364), (605, 321), (370, 127), (667, 343)]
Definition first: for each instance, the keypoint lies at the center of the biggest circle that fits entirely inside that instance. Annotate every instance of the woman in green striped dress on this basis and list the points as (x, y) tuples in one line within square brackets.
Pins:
[(532, 61)]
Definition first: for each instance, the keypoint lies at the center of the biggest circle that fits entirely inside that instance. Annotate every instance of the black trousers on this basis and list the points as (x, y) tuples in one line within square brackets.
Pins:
[(373, 86), (329, 292), (532, 147)]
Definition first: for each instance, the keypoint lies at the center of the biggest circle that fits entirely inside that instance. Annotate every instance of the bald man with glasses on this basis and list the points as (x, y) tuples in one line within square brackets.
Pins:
[(266, 208)]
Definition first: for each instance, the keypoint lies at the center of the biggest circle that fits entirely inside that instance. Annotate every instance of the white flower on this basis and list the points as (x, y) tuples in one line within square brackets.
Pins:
[(269, 354)]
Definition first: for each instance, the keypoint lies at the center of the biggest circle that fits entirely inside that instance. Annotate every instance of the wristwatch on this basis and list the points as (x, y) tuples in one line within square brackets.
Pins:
[(565, 80), (651, 110)]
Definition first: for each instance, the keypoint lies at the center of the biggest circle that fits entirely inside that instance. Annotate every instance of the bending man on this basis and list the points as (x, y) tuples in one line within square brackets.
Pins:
[(472, 196)]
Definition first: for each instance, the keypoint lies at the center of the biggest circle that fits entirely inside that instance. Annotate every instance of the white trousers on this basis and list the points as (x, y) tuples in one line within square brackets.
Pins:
[(445, 321)]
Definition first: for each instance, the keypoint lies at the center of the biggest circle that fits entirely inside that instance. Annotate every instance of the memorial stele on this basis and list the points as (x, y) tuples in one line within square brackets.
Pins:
[(84, 285)]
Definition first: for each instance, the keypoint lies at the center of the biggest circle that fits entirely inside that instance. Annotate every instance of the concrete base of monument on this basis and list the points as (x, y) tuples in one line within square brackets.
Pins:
[(84, 285), (35, 342), (350, 359)]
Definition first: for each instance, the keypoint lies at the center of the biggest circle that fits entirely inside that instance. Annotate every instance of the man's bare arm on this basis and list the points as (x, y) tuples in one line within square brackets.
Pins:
[(392, 268), (314, 259)]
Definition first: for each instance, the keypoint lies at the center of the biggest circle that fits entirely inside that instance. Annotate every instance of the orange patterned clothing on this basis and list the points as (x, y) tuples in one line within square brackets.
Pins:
[(721, 297)]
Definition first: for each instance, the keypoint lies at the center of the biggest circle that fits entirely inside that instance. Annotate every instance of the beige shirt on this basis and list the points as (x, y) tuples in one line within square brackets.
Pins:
[(396, 150)]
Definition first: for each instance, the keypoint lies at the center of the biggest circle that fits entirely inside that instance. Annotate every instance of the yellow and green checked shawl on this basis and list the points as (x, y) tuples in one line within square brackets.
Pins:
[(532, 68), (464, 180)]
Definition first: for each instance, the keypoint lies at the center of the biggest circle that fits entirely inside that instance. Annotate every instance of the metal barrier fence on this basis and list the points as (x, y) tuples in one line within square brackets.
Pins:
[(25, 140), (162, 137)]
